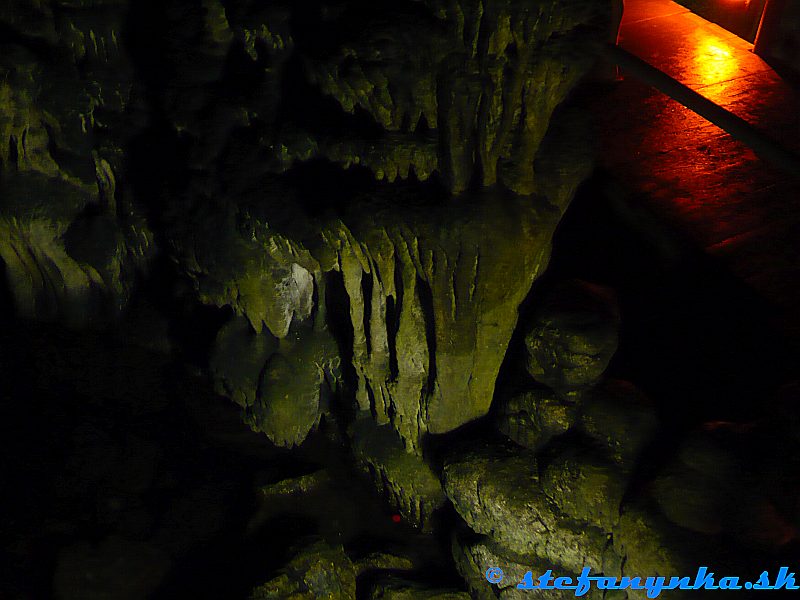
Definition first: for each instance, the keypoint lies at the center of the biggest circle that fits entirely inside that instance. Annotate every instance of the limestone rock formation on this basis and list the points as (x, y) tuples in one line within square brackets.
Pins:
[(238, 360), (318, 570), (431, 289), (406, 480), (432, 292), (71, 237), (383, 561), (432, 295), (653, 547), (474, 556), (282, 385), (367, 192), (488, 79), (573, 336), (586, 487), (534, 417), (295, 486), (500, 494), (296, 383)]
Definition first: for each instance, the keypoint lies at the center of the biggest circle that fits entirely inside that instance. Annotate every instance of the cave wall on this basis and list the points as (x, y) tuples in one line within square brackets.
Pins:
[(394, 152)]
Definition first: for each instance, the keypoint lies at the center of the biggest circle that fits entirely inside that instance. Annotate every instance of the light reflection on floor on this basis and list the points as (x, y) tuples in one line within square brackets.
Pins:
[(693, 174), (715, 59), (719, 66)]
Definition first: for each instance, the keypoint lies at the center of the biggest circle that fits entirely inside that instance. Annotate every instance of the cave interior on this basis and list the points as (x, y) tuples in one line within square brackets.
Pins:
[(363, 299)]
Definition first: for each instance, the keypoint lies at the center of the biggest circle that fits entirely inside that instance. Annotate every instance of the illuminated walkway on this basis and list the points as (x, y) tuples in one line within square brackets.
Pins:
[(692, 173)]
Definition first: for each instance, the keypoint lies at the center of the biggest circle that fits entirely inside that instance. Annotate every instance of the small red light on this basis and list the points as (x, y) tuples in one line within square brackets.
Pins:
[(396, 518)]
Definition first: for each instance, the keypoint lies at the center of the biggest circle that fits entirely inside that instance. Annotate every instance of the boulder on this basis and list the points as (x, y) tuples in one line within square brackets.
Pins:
[(573, 336), (586, 487), (534, 417), (651, 546), (498, 493), (473, 556), (318, 570)]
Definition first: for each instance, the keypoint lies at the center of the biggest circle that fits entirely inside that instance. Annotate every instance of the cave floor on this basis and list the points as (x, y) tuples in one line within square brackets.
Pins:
[(692, 174)]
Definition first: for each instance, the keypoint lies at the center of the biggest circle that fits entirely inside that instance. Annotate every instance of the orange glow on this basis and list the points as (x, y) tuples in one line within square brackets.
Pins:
[(714, 58), (715, 63)]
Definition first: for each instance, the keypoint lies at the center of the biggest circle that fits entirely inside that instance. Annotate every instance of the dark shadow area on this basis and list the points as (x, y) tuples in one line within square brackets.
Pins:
[(694, 337)]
